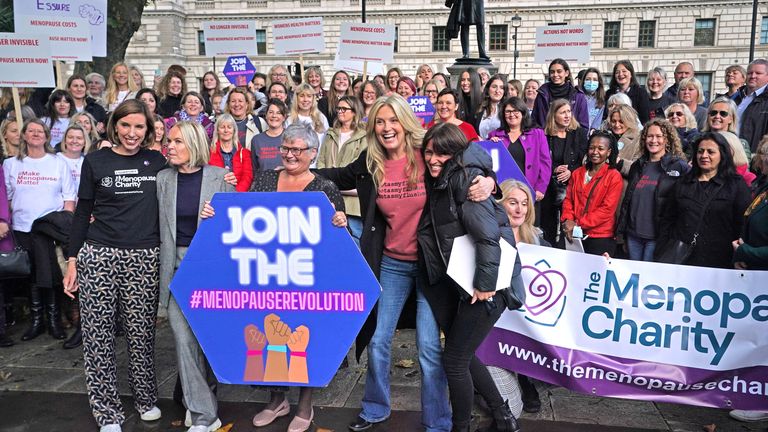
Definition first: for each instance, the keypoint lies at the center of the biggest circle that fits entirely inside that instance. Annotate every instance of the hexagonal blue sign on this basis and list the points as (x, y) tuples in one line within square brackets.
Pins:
[(239, 70), (504, 164), (273, 291)]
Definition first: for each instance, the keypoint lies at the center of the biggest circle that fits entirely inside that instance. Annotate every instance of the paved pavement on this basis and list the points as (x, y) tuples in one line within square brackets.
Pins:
[(42, 388)]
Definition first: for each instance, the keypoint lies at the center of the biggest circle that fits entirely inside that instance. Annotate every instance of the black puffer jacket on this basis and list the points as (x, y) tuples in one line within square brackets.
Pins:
[(674, 168), (449, 214)]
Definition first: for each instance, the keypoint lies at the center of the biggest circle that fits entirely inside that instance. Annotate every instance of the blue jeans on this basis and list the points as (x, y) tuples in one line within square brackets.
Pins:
[(640, 249), (397, 280), (355, 224)]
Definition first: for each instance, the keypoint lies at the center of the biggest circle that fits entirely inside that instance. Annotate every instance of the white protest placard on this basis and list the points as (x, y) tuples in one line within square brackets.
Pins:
[(298, 36), (25, 61), (93, 11), (230, 38), (70, 37), (356, 66), (461, 266), (371, 42), (572, 43)]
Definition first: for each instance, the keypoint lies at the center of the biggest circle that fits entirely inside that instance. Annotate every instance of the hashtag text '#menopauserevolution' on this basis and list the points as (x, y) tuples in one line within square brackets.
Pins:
[(330, 301)]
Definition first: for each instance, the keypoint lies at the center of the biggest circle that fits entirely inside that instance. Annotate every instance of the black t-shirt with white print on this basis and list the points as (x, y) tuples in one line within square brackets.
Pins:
[(123, 190)]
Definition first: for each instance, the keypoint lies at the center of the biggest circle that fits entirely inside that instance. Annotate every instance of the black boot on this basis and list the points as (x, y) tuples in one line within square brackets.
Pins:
[(36, 327), (503, 420), (530, 396), (53, 312), (76, 339), (460, 427)]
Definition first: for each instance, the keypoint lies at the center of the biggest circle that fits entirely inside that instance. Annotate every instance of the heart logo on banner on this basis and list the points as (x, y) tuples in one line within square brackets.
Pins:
[(545, 290)]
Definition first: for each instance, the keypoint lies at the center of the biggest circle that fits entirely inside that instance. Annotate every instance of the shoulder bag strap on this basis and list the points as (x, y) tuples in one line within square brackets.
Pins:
[(703, 211), (589, 196)]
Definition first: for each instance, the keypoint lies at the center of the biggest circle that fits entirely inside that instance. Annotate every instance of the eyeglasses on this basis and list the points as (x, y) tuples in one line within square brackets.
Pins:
[(723, 114), (295, 151), (514, 113), (431, 92), (342, 110), (276, 74), (675, 114)]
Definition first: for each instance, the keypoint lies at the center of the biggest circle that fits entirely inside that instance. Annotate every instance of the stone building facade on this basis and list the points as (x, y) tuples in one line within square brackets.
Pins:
[(710, 34)]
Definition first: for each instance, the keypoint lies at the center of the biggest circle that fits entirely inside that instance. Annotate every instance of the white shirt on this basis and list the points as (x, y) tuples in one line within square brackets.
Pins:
[(57, 129), (37, 187), (74, 166)]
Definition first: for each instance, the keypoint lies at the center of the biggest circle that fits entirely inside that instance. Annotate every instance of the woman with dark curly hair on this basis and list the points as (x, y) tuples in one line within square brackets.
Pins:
[(650, 181)]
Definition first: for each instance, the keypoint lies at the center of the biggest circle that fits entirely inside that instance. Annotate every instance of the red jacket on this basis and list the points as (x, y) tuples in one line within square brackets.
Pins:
[(241, 166), (600, 219)]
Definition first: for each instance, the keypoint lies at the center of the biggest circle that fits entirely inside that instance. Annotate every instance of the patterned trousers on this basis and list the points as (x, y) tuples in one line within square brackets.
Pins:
[(112, 280)]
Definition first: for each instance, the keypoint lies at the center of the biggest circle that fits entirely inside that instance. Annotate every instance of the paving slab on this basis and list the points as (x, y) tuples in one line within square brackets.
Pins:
[(577, 408)]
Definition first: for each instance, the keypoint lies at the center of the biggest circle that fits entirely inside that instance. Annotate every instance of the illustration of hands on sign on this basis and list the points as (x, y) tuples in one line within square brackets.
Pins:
[(278, 338)]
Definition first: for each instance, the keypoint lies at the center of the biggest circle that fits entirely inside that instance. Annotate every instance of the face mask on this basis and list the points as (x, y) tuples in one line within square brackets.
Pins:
[(590, 86)]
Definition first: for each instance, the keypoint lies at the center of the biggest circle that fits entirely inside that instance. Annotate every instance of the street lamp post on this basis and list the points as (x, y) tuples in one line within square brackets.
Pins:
[(516, 23)]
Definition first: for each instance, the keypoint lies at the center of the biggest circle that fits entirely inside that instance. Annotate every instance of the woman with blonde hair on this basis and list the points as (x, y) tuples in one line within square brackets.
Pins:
[(181, 192), (314, 77), (87, 122), (226, 153), (567, 142), (740, 159), (623, 123), (691, 93), (10, 137), (342, 145), (423, 75), (304, 110), (722, 116), (683, 120), (137, 76), (120, 86), (389, 179)]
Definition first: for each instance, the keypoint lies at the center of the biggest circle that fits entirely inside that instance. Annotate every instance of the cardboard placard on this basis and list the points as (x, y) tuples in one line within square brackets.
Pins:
[(367, 42), (229, 38), (573, 43), (93, 11), (70, 36), (298, 36), (25, 61)]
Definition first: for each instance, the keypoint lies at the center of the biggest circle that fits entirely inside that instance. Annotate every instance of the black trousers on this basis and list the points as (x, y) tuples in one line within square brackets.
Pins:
[(599, 246), (46, 272), (465, 326)]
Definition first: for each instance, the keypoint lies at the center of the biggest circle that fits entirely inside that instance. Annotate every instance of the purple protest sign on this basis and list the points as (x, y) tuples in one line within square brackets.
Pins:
[(504, 165), (422, 107), (239, 70)]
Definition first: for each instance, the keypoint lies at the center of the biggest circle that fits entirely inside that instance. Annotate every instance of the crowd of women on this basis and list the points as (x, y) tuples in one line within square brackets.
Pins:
[(107, 180)]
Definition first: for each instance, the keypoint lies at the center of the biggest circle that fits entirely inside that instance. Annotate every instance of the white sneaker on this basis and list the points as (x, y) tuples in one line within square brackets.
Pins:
[(114, 427), (152, 415), (210, 428), (188, 419), (749, 416)]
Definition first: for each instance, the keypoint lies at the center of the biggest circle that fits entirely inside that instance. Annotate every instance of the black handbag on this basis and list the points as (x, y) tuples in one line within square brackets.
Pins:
[(15, 264), (678, 251)]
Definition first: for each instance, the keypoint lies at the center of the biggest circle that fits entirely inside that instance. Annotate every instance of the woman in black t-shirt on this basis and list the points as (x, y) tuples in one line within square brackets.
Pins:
[(114, 261)]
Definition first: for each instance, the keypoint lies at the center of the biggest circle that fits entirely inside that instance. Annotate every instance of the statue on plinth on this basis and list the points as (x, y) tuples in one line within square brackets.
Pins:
[(466, 13)]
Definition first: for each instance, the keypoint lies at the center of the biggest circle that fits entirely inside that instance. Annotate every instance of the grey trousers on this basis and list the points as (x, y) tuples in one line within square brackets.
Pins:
[(193, 366)]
